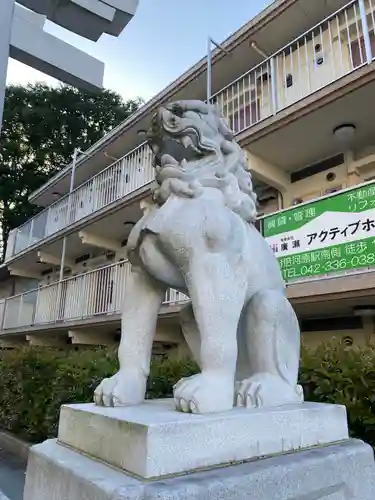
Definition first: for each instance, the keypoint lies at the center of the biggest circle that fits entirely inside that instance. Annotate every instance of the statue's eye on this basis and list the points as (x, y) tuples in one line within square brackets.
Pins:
[(177, 110)]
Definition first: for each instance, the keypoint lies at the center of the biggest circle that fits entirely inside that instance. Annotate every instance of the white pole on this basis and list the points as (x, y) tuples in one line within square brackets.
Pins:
[(366, 31), (209, 69), (273, 85), (71, 187), (6, 19), (210, 43)]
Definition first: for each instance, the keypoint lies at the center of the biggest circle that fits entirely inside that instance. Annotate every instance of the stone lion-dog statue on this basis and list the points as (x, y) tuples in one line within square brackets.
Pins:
[(199, 238)]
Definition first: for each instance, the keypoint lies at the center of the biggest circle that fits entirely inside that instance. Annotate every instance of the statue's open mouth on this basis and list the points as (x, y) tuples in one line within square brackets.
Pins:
[(176, 151), (174, 143)]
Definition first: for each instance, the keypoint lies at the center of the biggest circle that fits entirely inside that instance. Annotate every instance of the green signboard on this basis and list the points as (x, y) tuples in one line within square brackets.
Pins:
[(330, 235)]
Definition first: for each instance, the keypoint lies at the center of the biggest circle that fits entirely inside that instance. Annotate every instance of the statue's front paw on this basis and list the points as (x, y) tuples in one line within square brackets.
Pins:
[(266, 391), (204, 393), (123, 389)]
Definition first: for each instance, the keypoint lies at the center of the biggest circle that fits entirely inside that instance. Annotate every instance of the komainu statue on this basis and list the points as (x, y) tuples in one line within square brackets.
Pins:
[(199, 237)]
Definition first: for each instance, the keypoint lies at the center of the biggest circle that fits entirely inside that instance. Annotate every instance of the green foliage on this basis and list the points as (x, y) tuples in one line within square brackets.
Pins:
[(41, 127), (334, 373), (165, 373), (35, 382)]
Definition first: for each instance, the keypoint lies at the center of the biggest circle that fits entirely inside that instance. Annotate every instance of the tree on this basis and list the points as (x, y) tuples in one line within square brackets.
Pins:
[(41, 127)]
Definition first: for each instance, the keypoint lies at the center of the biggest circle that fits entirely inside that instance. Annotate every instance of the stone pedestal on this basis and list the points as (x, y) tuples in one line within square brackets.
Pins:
[(299, 452), (154, 440)]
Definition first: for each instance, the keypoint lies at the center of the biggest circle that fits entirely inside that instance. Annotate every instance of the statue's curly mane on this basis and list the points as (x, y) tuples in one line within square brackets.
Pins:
[(220, 161)]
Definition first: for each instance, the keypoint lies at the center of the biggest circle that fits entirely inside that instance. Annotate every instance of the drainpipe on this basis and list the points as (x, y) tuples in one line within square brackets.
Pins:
[(76, 152), (280, 200), (60, 309), (71, 187)]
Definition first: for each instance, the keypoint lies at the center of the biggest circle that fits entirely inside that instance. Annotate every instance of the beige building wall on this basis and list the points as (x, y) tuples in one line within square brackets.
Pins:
[(356, 168), (360, 338), (15, 285), (317, 185), (268, 206), (6, 289)]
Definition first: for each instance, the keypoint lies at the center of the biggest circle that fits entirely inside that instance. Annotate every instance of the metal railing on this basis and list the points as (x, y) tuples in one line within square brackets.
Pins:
[(117, 180), (330, 50), (335, 47), (2, 309), (95, 293)]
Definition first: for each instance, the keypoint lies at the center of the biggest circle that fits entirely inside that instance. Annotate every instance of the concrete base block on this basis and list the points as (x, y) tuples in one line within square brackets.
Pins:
[(338, 472), (153, 439)]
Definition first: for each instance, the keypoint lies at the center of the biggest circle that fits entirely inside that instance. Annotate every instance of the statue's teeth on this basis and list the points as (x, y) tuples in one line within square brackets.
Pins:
[(168, 160), (186, 141)]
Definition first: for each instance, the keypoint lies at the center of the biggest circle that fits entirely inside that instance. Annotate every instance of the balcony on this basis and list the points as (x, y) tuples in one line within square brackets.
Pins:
[(338, 46), (121, 178), (98, 296), (325, 248), (94, 294)]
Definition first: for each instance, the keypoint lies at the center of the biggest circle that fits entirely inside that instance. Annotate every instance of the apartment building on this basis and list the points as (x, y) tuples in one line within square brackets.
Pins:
[(297, 89)]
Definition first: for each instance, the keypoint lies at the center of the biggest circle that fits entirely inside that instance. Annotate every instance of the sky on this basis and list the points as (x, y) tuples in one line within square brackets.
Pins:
[(164, 39)]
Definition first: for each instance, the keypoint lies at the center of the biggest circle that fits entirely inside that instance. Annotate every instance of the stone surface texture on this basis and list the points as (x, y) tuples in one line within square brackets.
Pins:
[(152, 440), (199, 237), (339, 472)]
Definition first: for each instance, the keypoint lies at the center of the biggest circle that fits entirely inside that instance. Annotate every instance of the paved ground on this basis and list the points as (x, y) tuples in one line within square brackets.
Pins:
[(12, 476)]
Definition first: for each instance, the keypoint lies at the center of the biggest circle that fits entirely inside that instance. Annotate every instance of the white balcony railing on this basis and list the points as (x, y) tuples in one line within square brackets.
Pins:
[(337, 46), (124, 176), (327, 52), (95, 293), (2, 308)]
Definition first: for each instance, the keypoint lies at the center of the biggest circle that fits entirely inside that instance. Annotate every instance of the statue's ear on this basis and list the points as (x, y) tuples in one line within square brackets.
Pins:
[(192, 105)]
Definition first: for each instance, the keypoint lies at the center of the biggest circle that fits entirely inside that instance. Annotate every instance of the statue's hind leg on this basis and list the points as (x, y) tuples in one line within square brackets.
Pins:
[(273, 344)]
